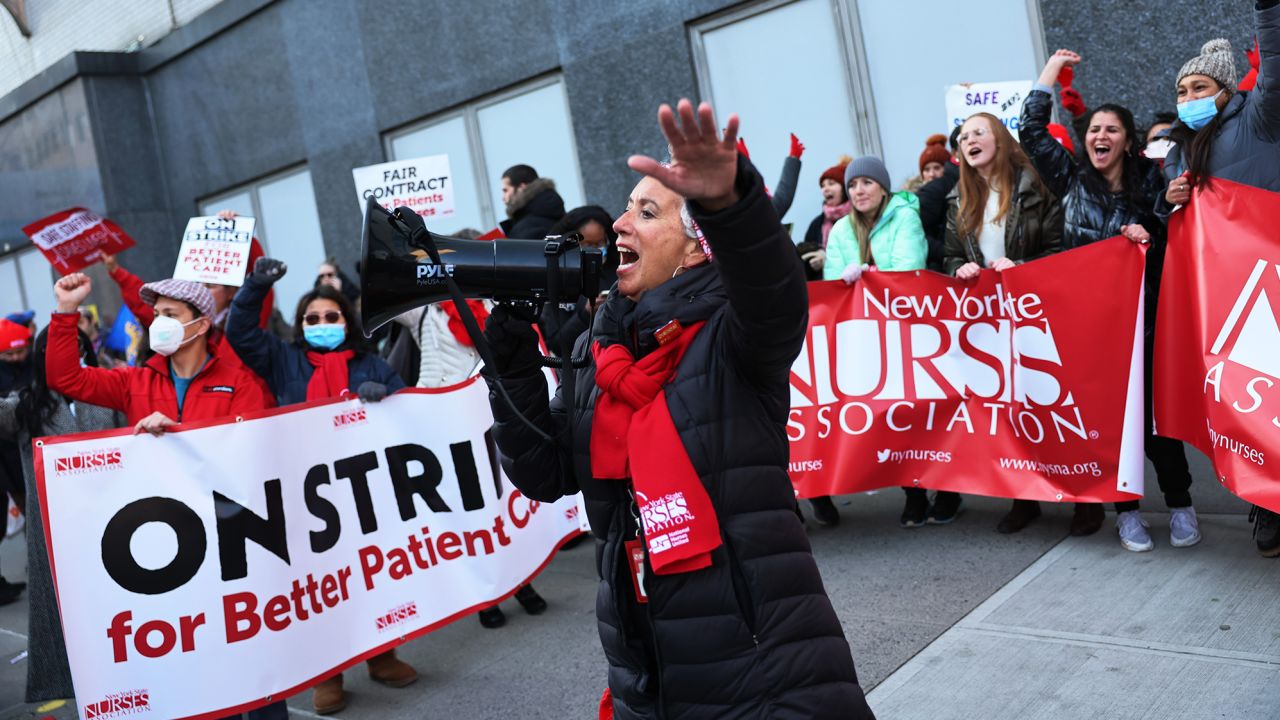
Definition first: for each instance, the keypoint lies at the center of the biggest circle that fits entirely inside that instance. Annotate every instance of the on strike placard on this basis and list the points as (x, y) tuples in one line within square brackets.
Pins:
[(1217, 378), (215, 250), (1002, 99), (276, 551), (424, 185), (76, 238), (1015, 384)]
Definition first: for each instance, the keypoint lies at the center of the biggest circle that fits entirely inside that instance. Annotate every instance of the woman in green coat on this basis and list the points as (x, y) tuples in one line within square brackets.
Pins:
[(883, 232)]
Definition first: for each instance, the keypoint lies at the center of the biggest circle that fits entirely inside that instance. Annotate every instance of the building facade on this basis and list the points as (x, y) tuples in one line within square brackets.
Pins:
[(266, 106)]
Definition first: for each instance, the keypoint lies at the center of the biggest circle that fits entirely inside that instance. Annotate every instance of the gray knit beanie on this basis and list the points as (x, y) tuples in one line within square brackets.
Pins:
[(868, 166), (1215, 60)]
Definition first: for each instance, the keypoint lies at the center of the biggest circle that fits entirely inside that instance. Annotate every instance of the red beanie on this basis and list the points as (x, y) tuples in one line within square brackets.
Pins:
[(13, 336), (836, 172), (935, 150), (1063, 137)]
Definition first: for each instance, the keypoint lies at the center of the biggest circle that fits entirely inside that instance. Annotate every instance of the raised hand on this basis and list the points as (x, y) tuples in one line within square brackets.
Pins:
[(1057, 61), (703, 164), (228, 214), (266, 271), (71, 291), (110, 262)]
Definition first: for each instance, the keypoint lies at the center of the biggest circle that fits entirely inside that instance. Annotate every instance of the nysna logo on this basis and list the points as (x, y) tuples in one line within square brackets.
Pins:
[(1257, 337), (121, 704), (88, 461), (352, 417), (664, 512), (397, 616)]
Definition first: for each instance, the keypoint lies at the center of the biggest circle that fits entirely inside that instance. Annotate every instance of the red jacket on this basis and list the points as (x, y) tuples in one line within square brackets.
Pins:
[(219, 390)]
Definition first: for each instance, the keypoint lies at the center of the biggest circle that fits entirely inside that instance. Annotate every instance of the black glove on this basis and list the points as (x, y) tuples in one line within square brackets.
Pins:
[(514, 344), (371, 392), (266, 271)]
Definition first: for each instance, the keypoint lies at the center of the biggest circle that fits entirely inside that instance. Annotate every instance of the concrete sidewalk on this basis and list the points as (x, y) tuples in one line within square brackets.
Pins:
[(1089, 632)]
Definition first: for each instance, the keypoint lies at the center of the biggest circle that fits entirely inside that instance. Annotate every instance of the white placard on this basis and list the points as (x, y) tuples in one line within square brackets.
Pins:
[(1002, 99), (215, 250), (423, 184)]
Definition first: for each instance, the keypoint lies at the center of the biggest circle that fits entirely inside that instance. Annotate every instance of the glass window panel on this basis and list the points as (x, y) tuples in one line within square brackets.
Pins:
[(531, 129), (37, 280), (448, 137), (289, 217), (783, 72), (10, 293), (910, 73)]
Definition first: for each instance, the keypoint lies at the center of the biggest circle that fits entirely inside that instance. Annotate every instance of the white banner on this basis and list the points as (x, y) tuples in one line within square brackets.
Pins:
[(215, 250), (286, 547), (1002, 99), (424, 185)]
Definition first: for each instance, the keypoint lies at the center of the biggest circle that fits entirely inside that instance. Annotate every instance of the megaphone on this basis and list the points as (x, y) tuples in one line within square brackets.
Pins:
[(398, 274)]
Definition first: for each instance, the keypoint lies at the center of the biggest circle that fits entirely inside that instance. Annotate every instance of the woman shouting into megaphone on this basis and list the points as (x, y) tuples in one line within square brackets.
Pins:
[(710, 604)]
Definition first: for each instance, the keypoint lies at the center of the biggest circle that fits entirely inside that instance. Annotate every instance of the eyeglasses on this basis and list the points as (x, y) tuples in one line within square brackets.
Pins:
[(977, 133), (331, 317)]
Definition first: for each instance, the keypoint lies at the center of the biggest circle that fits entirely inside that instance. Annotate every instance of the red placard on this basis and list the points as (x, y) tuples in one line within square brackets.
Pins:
[(1017, 384), (1217, 376), (76, 238)]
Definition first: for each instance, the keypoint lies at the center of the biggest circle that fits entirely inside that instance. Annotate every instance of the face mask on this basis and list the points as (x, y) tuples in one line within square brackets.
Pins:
[(1158, 149), (1195, 114), (166, 334), (325, 336)]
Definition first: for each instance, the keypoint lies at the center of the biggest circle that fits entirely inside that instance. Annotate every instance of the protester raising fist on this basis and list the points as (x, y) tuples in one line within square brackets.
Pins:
[(71, 292)]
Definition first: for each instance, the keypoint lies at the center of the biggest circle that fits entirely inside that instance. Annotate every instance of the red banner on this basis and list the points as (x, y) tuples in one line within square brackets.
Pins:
[(1218, 343), (1026, 383), (76, 238)]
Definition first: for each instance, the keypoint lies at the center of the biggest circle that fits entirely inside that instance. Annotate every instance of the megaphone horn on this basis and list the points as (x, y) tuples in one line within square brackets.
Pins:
[(398, 274)]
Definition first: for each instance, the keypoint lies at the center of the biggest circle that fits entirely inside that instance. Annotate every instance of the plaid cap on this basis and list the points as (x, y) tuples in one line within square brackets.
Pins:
[(13, 336), (193, 293)]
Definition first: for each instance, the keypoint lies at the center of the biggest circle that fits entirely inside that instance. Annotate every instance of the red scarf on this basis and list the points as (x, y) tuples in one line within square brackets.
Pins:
[(831, 214), (330, 378), (455, 320), (633, 436)]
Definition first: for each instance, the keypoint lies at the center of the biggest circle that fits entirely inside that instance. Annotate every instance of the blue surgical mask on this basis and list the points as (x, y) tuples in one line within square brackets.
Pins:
[(325, 336), (1195, 114)]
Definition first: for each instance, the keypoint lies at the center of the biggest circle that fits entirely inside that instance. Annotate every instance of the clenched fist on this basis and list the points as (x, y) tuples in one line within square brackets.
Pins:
[(71, 291)]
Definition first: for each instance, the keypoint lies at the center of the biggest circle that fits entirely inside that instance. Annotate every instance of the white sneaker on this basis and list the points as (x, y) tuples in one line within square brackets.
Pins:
[(1184, 528), (1133, 532)]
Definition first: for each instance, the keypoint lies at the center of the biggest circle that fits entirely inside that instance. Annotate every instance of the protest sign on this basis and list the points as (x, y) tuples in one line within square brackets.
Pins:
[(1002, 99), (76, 238), (287, 546), (1012, 385), (1217, 340), (424, 185), (215, 250)]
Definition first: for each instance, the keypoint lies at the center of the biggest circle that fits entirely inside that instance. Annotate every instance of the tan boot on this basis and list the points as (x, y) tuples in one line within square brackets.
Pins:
[(390, 670), (329, 697)]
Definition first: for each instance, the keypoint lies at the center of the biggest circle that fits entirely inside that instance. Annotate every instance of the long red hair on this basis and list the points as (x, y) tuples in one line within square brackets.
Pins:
[(1008, 163)]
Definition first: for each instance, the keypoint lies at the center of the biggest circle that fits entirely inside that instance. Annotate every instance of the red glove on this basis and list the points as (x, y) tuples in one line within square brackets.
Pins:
[(606, 705), (797, 148), (1250, 79), (1072, 102), (1066, 76), (742, 148)]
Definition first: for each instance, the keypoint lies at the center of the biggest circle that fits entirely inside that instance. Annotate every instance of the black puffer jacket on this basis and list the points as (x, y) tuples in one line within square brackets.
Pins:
[(533, 210), (754, 635), (1091, 213), (1032, 229)]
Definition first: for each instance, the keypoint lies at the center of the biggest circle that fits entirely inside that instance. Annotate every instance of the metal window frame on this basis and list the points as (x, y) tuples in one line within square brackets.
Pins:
[(852, 50), (12, 255), (470, 114), (252, 187)]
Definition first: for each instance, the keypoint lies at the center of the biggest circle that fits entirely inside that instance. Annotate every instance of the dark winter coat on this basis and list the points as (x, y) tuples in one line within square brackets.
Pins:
[(534, 209), (284, 365), (1032, 229), (48, 671), (933, 212), (753, 635), (785, 191), (1247, 147), (1091, 213)]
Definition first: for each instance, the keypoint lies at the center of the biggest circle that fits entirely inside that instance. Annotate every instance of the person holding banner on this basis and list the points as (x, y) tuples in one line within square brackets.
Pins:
[(883, 232), (1114, 193), (1222, 133), (710, 604), (326, 361), (31, 412), (1001, 214)]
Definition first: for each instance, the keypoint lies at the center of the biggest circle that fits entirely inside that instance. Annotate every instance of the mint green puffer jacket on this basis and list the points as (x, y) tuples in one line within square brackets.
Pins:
[(897, 241)]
